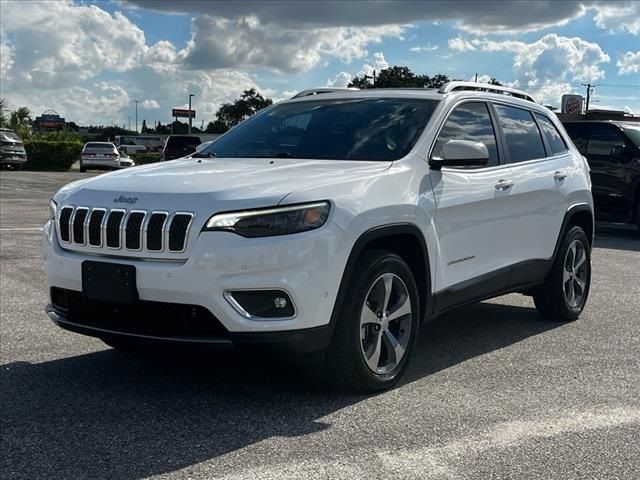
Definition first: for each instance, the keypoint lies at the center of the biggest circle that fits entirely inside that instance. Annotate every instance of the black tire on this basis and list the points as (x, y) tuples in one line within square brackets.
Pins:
[(550, 299), (638, 217), (345, 364), (82, 169)]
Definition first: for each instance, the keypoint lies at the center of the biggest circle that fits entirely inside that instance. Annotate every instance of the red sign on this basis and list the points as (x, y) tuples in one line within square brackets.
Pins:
[(183, 113)]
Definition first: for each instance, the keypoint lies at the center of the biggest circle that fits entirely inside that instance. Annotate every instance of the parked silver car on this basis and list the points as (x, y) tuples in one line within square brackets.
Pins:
[(102, 156), (12, 152)]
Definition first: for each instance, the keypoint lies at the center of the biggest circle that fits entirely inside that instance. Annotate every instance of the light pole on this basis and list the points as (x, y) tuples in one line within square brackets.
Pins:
[(190, 116), (136, 102)]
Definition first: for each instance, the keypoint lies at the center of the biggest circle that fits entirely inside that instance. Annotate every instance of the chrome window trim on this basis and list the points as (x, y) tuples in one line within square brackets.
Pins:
[(162, 230)]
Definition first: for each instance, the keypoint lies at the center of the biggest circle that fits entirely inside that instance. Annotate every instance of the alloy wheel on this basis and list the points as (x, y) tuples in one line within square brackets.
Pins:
[(575, 274), (385, 323)]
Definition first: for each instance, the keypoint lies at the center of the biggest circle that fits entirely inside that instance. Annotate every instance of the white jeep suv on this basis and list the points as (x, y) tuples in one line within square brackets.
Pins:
[(336, 223)]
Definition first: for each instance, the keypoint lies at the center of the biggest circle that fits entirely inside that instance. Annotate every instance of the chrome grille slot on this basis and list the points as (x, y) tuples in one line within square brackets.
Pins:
[(155, 231), (113, 227), (95, 229), (178, 231), (133, 230), (64, 223), (95, 226), (78, 222)]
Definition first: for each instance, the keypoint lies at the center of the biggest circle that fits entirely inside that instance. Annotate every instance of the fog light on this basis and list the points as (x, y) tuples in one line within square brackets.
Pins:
[(261, 304), (280, 302)]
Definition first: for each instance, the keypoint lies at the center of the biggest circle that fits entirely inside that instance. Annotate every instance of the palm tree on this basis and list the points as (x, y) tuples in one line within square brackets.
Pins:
[(3, 112), (20, 122)]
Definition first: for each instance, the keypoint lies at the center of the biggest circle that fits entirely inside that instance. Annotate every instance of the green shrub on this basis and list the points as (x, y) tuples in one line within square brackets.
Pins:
[(144, 158), (51, 155)]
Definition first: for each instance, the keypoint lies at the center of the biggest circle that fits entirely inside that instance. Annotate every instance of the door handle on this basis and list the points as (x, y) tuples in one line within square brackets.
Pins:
[(504, 184), (559, 175)]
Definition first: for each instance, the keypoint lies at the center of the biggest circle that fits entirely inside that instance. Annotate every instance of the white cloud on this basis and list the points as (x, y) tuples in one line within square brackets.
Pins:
[(549, 65), (628, 63), (618, 17), (459, 44), (248, 42), (57, 43), (425, 48), (341, 80), (150, 104), (378, 63)]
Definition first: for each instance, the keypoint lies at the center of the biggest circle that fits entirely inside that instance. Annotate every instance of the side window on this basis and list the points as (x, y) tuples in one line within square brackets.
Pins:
[(579, 135), (521, 134), (469, 121), (603, 139), (551, 133)]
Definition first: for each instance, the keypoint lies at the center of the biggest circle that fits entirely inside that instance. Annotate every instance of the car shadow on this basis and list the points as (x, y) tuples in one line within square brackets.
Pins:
[(107, 414)]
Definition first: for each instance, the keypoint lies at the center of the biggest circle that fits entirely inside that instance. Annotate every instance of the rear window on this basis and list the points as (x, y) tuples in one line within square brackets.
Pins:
[(182, 142), (521, 133), (381, 129), (99, 146), (551, 133)]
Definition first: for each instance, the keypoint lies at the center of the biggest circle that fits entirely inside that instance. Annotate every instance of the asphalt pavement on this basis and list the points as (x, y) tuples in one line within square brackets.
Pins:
[(493, 391)]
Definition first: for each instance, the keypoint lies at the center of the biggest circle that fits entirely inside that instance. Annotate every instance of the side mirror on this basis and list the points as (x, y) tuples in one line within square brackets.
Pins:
[(461, 153)]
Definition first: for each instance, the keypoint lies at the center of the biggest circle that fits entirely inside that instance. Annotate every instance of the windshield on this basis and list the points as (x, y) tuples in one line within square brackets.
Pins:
[(9, 137), (381, 129), (633, 133)]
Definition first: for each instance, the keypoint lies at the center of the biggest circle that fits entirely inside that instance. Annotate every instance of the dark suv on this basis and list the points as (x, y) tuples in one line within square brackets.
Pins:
[(612, 149), (178, 146)]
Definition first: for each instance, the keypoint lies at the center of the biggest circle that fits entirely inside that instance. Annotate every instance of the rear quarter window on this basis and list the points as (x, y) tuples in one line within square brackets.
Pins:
[(552, 135)]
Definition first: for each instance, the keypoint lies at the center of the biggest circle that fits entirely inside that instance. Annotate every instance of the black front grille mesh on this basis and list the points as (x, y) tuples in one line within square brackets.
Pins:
[(178, 231), (133, 234), (113, 228), (155, 231), (65, 218), (95, 227), (141, 317), (138, 229), (78, 225)]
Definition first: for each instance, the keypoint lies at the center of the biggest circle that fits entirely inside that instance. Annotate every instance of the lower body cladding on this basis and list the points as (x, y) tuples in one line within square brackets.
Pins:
[(230, 291)]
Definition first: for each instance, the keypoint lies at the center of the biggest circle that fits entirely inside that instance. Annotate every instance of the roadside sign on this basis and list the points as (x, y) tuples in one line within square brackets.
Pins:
[(183, 113), (572, 104)]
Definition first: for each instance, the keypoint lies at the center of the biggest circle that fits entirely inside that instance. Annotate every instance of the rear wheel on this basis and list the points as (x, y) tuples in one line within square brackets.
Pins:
[(377, 328), (82, 168), (638, 217), (564, 295)]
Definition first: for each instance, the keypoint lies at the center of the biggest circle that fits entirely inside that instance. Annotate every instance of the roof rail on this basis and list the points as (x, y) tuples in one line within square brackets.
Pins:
[(319, 90), (485, 87)]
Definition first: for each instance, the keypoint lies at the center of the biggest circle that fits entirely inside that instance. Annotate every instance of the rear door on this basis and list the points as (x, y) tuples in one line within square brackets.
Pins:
[(541, 176), (473, 207)]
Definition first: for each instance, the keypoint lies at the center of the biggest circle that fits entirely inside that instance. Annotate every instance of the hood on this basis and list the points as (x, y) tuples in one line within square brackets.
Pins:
[(219, 184)]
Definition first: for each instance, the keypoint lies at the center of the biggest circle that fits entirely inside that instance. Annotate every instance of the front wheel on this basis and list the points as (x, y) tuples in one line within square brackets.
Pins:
[(564, 294), (378, 325)]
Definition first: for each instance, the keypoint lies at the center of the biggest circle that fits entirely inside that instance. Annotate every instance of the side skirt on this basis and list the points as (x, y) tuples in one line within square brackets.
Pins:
[(516, 278)]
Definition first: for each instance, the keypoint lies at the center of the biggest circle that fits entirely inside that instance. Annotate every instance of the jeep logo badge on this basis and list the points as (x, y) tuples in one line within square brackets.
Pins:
[(123, 199)]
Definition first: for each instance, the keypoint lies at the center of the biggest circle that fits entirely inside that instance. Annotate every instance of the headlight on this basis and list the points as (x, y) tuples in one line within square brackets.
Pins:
[(272, 221), (53, 209)]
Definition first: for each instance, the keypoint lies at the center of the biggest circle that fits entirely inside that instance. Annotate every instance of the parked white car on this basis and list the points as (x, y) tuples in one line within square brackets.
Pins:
[(334, 223), (102, 156)]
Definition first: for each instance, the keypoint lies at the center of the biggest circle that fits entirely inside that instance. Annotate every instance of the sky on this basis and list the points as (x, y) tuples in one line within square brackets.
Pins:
[(89, 60)]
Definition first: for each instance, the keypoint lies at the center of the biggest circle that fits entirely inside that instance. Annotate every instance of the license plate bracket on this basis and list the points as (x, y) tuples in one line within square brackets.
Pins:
[(109, 282)]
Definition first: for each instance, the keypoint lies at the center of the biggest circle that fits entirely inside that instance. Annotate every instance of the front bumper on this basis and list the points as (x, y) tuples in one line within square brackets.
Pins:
[(305, 341), (307, 266)]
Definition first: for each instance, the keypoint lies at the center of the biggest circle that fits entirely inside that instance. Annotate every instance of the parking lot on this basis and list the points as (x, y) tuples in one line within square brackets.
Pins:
[(492, 392)]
